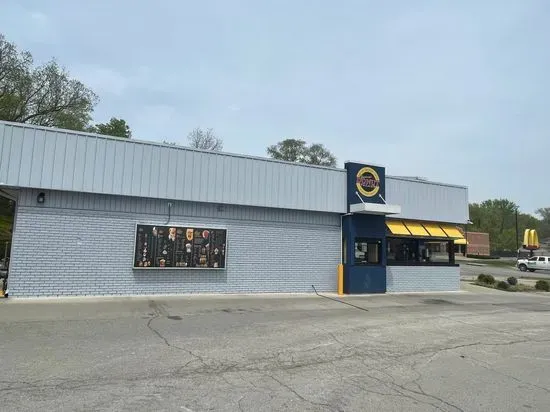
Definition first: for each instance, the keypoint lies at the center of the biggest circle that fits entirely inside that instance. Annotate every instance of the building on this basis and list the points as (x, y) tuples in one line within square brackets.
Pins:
[(97, 215), (478, 244), (473, 243)]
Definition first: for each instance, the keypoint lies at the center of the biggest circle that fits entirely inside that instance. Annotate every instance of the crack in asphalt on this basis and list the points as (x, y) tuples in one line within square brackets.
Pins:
[(272, 363), (377, 355), (158, 311), (486, 365), (293, 391), (407, 392)]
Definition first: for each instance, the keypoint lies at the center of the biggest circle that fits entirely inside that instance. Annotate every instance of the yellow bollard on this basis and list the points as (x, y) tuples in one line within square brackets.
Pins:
[(340, 279)]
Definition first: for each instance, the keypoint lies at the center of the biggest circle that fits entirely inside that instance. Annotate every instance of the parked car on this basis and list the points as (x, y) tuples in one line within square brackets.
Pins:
[(534, 263)]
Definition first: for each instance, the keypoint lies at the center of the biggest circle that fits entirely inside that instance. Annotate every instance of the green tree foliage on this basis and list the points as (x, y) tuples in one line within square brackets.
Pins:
[(114, 127), (544, 231), (45, 95), (498, 218), (296, 150)]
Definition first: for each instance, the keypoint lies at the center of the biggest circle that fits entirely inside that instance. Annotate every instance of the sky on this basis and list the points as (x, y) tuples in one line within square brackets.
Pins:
[(451, 91)]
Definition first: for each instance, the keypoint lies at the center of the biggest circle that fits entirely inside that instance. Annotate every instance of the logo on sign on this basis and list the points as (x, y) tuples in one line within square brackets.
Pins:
[(367, 182)]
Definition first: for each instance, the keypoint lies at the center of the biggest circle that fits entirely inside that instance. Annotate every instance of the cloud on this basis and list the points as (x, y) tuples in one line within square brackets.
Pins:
[(41, 28), (106, 80), (39, 17)]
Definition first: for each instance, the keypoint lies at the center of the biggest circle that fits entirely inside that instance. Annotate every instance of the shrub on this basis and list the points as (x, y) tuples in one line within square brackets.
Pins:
[(482, 256), (482, 278), (542, 285), (512, 281), (487, 279), (502, 285)]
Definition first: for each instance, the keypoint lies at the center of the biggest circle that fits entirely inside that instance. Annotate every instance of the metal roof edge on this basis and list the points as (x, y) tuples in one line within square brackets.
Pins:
[(169, 146), (364, 163), (417, 180)]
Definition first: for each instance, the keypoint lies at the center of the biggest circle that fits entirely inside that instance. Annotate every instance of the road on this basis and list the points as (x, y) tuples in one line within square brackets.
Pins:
[(446, 352), (470, 271)]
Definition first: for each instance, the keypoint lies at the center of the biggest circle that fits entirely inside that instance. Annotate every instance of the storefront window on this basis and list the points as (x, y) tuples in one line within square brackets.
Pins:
[(368, 251), (415, 251), (438, 252), (403, 250)]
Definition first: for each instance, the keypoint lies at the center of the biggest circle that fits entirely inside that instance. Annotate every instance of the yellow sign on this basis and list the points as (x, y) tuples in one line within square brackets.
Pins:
[(367, 182), (530, 239)]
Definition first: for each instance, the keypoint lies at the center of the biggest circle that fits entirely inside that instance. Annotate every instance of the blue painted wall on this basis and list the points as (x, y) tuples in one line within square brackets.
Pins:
[(364, 278)]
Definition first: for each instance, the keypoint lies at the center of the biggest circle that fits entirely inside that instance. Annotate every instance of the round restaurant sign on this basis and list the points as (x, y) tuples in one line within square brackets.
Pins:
[(367, 182)]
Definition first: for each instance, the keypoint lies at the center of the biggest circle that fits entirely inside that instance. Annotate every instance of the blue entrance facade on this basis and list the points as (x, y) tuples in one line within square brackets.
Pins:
[(364, 234)]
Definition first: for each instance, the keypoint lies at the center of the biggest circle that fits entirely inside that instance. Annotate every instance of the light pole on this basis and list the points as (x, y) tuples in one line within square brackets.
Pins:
[(517, 231)]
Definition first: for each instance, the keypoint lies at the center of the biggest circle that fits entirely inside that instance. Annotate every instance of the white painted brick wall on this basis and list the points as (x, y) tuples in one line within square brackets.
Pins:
[(422, 278), (59, 252)]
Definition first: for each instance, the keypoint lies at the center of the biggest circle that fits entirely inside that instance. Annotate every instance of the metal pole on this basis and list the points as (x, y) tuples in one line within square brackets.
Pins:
[(517, 231), (6, 250)]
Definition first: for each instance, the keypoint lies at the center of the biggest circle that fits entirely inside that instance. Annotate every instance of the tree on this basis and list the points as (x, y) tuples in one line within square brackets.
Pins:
[(115, 127), (205, 140), (44, 95), (317, 154), (289, 150), (296, 150), (498, 218), (544, 231)]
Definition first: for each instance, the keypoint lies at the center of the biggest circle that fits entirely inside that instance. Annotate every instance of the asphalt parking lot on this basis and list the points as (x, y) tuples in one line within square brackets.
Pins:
[(465, 351)]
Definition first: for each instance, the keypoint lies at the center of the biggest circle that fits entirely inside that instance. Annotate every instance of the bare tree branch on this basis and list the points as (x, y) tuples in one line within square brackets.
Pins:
[(205, 140)]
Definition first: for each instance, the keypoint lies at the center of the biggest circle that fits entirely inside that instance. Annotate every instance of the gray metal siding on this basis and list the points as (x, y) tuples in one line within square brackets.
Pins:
[(81, 244), (34, 157), (423, 200), (158, 207)]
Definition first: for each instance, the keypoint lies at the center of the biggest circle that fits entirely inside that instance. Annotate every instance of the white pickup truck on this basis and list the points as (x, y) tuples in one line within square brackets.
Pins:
[(534, 263)]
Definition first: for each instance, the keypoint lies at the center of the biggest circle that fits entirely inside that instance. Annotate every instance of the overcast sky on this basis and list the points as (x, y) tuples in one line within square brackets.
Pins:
[(453, 91)]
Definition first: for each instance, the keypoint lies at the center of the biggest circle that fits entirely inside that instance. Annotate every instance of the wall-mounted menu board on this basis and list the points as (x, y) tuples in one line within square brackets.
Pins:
[(179, 247)]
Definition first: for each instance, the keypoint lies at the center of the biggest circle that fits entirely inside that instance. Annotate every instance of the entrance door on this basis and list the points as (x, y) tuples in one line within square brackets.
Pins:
[(7, 211)]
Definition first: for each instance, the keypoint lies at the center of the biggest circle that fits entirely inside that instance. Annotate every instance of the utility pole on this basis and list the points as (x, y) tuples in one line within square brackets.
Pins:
[(517, 231)]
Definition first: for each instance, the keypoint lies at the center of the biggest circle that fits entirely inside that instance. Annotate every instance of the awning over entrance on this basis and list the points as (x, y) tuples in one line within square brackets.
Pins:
[(397, 227), (416, 229), (461, 241), (425, 229), (452, 231), (375, 209), (434, 230)]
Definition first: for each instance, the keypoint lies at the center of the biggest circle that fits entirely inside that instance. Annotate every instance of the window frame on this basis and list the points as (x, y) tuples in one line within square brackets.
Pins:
[(418, 260), (368, 240)]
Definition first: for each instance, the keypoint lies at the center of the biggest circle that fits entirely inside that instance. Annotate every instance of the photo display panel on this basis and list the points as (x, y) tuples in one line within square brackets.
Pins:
[(179, 247)]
